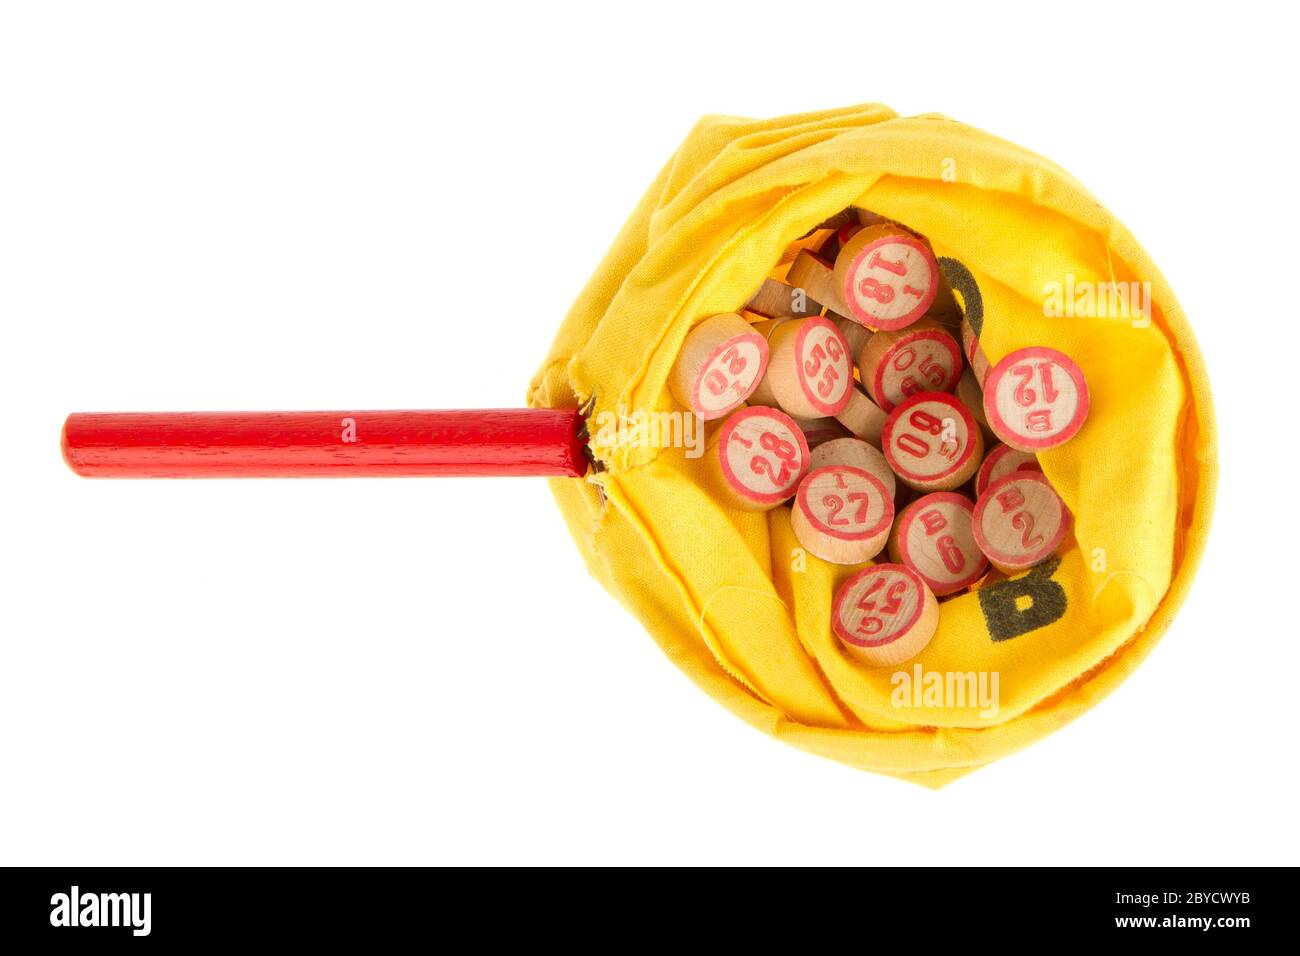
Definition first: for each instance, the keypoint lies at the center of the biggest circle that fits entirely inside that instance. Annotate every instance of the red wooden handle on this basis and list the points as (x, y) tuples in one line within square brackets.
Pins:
[(524, 441)]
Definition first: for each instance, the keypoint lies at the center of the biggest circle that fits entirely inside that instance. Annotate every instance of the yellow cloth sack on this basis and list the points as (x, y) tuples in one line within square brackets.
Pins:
[(725, 593)]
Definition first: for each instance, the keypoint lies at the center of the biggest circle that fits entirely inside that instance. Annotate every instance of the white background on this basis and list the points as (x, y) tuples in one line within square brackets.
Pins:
[(317, 205)]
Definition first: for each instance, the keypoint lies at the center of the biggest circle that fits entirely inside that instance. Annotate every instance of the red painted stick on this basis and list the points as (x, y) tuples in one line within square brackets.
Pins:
[(525, 441)]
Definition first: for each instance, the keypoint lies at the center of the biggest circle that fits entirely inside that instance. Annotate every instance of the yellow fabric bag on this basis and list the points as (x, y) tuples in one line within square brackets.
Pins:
[(723, 591)]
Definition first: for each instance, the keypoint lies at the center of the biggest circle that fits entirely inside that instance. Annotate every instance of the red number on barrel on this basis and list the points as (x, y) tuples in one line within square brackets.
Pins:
[(784, 451), (871, 624)]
